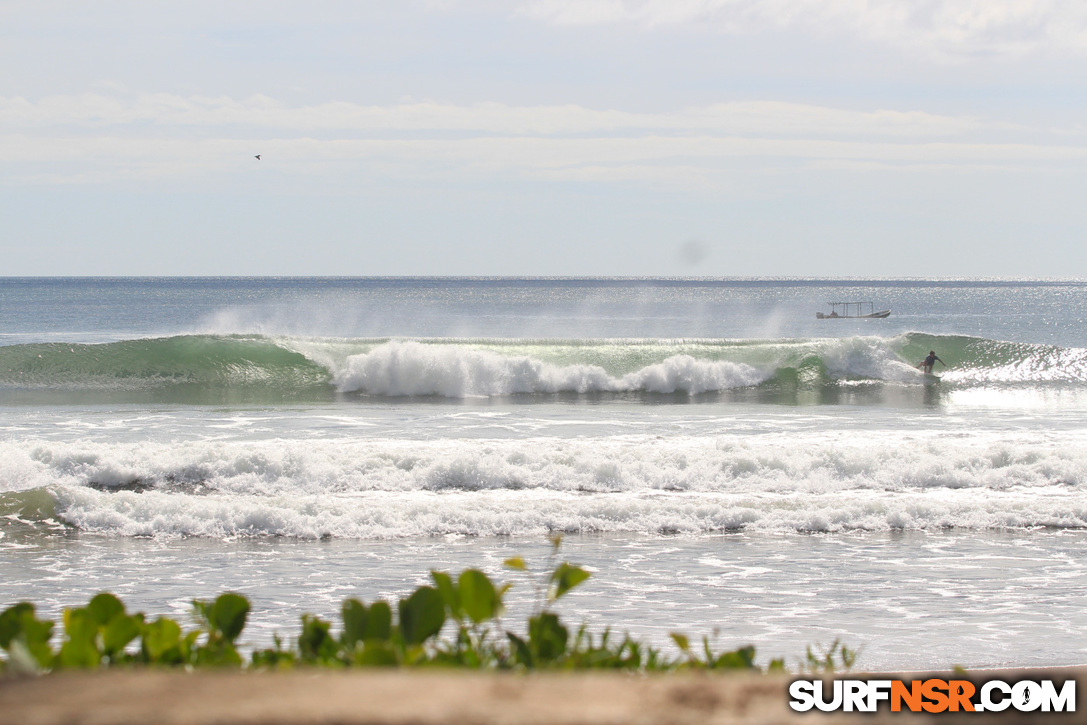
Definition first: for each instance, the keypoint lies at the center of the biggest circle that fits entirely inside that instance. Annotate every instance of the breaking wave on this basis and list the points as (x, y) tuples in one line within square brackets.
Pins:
[(208, 365), (386, 488)]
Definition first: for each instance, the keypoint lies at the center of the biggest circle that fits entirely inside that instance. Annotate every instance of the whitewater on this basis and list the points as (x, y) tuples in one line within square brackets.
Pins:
[(720, 458)]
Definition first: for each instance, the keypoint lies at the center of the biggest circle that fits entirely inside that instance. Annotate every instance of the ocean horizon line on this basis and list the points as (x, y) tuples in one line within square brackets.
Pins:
[(616, 280)]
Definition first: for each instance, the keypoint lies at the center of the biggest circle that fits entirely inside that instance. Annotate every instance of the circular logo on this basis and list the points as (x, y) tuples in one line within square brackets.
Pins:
[(1026, 696)]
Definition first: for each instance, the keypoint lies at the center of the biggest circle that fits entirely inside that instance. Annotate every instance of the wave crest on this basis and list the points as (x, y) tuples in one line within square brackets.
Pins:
[(203, 368), (796, 481), (402, 368)]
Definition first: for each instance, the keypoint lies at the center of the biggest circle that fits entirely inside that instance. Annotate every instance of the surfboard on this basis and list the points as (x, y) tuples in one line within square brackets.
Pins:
[(931, 377)]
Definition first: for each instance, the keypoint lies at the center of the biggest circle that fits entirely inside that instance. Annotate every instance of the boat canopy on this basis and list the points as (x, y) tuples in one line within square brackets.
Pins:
[(853, 310)]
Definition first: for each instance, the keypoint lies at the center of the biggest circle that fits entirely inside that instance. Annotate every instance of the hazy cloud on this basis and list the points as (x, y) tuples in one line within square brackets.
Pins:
[(144, 113), (90, 137), (935, 27)]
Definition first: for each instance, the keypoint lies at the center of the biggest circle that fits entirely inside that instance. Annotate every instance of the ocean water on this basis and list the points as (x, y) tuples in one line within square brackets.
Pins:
[(725, 463)]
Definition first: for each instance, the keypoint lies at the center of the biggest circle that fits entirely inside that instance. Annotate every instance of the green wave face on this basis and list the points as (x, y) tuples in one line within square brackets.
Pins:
[(207, 368), (33, 505), (965, 352), (25, 515), (975, 360), (193, 362)]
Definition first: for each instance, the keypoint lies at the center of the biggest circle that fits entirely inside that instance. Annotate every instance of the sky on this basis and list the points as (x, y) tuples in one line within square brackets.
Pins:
[(802, 138)]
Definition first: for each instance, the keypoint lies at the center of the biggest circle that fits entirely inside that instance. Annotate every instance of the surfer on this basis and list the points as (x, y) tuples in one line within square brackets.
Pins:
[(926, 364)]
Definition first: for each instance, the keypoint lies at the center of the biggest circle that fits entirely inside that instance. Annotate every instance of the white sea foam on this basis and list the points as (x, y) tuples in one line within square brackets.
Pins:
[(411, 368), (867, 358), (390, 488), (498, 513)]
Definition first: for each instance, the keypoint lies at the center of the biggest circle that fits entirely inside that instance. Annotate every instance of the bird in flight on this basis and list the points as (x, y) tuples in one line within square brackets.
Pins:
[(257, 157)]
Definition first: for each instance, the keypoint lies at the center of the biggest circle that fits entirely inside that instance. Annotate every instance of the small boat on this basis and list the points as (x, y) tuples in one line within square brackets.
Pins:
[(853, 311)]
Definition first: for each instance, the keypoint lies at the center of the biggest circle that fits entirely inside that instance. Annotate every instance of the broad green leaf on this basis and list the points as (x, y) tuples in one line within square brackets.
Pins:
[(316, 643), (11, 621), (80, 625), (35, 633), (564, 578), (228, 614), (161, 637), (202, 610), (516, 563), (421, 615), (103, 608), (79, 654), (448, 590), (478, 596), (547, 636), (26, 638), (35, 636), (119, 632), (380, 624), (355, 620)]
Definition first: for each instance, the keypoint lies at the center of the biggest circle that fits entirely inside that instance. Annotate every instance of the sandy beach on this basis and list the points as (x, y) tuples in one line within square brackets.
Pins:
[(430, 698)]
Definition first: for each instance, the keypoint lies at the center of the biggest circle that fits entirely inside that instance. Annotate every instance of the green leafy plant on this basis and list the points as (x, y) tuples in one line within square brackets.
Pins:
[(835, 657), (162, 643), (469, 607), (25, 638), (223, 621), (738, 659), (98, 634)]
